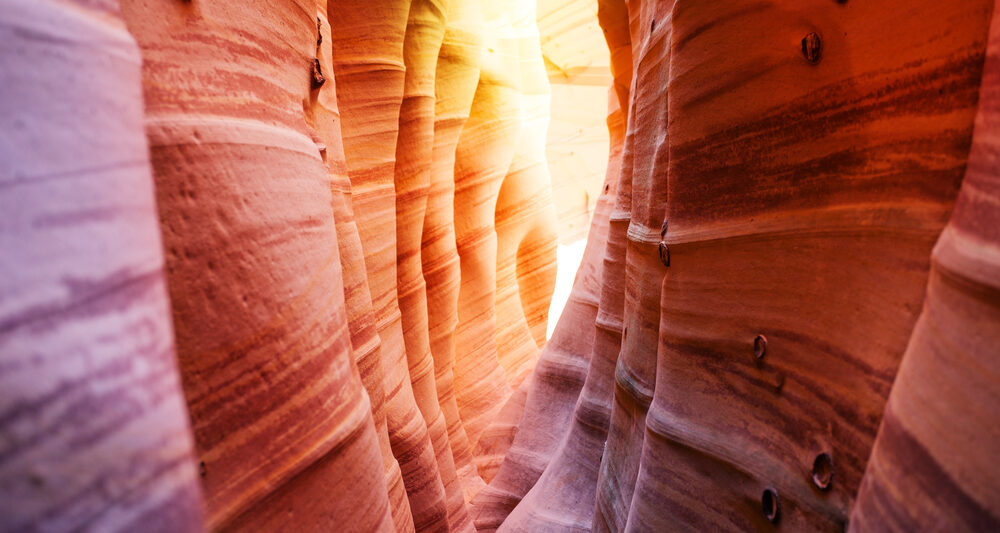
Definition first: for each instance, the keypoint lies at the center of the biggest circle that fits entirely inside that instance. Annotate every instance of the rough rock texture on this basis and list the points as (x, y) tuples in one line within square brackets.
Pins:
[(285, 265), (93, 432)]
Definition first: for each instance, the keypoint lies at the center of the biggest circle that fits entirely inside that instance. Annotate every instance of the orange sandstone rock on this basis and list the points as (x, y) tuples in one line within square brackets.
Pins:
[(356, 212), (807, 180), (555, 384), (455, 80), (525, 223), (424, 34), (810, 247), (933, 465), (277, 407), (368, 62), (483, 155), (325, 119), (524, 216)]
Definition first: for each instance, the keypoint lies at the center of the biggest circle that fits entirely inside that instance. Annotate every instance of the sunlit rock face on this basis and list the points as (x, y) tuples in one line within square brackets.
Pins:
[(285, 265), (766, 259), (578, 65)]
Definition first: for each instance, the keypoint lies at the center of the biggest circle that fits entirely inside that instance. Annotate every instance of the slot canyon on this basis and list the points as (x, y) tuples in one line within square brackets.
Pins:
[(288, 265)]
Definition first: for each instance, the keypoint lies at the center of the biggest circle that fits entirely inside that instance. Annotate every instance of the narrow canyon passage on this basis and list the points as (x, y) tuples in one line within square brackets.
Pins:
[(291, 265)]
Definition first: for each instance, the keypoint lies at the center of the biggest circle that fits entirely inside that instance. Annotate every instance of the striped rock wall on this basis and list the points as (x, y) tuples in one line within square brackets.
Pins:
[(285, 265)]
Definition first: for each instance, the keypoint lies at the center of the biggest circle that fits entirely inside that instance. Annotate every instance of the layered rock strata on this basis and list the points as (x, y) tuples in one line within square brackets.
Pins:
[(93, 428), (286, 265), (778, 199)]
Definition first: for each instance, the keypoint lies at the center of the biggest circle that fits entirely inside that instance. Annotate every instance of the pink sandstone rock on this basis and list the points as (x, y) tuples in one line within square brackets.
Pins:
[(93, 427), (353, 204)]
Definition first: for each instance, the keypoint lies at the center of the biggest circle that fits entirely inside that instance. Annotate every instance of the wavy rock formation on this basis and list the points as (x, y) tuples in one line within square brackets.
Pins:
[(286, 265), (805, 371), (323, 116), (778, 302), (93, 431), (525, 225), (277, 407), (455, 80), (934, 458), (561, 369), (425, 30), (482, 157), (369, 68)]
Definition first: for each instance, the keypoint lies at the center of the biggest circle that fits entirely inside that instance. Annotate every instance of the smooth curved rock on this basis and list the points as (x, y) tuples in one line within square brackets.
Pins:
[(554, 386), (277, 407), (368, 62), (425, 30), (93, 426), (482, 157), (324, 118), (455, 81), (807, 181), (353, 206), (525, 225), (824, 257), (933, 466)]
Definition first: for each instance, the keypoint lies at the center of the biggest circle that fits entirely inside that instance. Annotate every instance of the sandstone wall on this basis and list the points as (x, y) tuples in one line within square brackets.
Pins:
[(779, 193), (93, 428), (285, 265)]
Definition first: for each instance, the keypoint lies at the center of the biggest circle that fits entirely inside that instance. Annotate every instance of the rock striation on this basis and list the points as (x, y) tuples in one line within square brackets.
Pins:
[(286, 265), (93, 428)]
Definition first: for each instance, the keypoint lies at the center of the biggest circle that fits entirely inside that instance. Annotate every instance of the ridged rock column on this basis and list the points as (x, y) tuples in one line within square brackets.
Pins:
[(934, 464), (646, 263), (93, 427), (455, 81), (279, 413), (425, 30), (525, 222), (368, 41), (324, 118), (807, 182), (482, 158), (554, 386)]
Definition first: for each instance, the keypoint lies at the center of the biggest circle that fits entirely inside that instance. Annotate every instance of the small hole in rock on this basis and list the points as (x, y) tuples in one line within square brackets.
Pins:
[(759, 346), (822, 471), (812, 48), (769, 504)]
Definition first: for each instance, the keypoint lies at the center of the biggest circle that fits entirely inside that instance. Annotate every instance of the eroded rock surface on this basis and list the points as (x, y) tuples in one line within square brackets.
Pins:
[(286, 265)]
